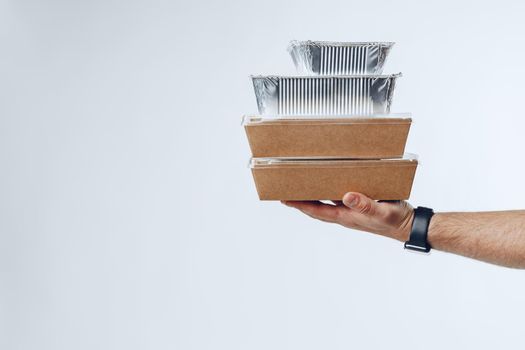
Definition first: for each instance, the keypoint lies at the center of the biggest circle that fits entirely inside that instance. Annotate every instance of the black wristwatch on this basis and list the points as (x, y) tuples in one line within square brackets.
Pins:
[(418, 235)]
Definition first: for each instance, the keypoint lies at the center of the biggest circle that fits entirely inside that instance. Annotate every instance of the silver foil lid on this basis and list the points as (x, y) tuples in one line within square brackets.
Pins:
[(333, 58), (324, 95)]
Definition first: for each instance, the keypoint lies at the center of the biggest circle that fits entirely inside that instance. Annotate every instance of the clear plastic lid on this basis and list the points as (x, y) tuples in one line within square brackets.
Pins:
[(257, 119), (261, 162)]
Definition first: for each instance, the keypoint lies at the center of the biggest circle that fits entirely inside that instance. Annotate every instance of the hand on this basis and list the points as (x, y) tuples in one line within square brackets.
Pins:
[(356, 211)]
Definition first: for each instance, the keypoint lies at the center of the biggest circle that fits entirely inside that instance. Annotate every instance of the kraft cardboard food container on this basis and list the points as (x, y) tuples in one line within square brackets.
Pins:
[(285, 179), (317, 137)]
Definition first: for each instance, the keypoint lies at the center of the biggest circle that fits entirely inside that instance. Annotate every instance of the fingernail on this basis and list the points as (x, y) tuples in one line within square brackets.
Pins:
[(351, 201)]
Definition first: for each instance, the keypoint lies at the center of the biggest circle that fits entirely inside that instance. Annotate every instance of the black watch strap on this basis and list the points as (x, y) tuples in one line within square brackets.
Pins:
[(418, 235)]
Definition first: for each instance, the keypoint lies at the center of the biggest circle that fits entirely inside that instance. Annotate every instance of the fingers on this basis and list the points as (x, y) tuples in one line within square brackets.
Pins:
[(357, 211), (317, 210), (360, 203)]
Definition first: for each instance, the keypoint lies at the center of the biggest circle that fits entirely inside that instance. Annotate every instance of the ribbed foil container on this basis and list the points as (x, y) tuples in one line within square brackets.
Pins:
[(324, 95), (335, 58)]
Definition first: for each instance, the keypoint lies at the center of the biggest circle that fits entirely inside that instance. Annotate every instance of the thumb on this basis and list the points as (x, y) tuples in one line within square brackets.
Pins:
[(360, 203)]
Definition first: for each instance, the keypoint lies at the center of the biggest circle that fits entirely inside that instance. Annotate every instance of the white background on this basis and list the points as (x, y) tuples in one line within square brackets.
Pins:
[(128, 217)]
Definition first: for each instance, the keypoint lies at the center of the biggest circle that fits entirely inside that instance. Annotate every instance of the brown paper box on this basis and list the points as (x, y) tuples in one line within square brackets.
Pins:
[(328, 138), (330, 179)]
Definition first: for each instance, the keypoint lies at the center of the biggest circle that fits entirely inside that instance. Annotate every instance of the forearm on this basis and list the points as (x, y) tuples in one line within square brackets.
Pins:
[(495, 237)]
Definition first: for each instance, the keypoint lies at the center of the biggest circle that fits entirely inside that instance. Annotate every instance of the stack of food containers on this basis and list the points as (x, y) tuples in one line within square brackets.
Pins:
[(330, 131)]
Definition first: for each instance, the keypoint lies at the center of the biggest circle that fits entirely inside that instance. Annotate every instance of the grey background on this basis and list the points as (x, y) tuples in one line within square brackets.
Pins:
[(128, 217)]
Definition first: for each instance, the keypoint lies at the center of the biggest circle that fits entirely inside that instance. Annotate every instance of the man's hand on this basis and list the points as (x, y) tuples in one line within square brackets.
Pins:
[(496, 237), (356, 211)]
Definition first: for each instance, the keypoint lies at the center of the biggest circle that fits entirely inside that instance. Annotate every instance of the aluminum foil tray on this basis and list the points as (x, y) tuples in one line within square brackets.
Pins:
[(333, 58), (324, 95)]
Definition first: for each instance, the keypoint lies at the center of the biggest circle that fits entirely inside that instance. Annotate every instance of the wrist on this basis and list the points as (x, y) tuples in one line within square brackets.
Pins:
[(403, 233)]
